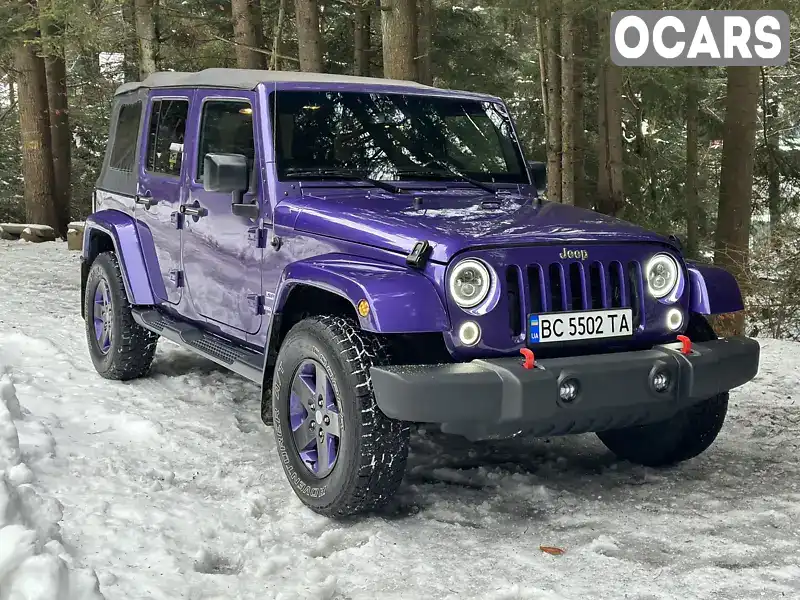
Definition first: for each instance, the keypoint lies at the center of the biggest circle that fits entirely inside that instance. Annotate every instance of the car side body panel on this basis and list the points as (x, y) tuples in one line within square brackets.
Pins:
[(121, 229), (400, 300), (713, 290)]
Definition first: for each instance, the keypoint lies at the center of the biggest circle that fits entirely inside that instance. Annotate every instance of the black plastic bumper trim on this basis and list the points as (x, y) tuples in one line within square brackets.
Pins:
[(484, 397)]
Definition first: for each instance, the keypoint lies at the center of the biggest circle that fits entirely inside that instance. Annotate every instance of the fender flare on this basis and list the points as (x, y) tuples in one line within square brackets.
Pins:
[(400, 300), (121, 229), (713, 290)]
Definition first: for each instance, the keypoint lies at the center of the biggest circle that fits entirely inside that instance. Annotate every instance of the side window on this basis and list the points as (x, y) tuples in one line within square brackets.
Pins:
[(165, 138), (126, 137), (227, 128)]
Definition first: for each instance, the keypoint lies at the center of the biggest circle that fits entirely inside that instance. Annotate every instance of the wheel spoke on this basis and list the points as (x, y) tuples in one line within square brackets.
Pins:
[(304, 435), (322, 384), (104, 341), (104, 291), (98, 311), (323, 459), (333, 424), (301, 389)]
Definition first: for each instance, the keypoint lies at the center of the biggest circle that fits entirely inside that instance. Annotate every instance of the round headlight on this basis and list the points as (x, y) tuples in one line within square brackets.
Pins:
[(470, 282), (662, 275)]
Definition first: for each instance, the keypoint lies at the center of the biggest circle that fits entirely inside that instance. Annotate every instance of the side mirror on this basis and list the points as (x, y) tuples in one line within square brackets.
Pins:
[(225, 173), (538, 171)]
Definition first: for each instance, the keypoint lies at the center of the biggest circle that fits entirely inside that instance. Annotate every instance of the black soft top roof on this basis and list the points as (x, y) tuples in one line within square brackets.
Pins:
[(248, 79)]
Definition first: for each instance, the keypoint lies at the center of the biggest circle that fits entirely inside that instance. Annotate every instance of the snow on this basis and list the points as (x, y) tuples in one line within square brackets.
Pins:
[(169, 487)]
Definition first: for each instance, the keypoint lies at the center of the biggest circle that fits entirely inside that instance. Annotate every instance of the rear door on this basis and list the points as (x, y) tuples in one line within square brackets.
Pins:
[(161, 190)]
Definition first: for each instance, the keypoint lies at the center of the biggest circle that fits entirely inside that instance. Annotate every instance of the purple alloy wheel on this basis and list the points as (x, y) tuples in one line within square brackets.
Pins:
[(314, 418), (103, 317)]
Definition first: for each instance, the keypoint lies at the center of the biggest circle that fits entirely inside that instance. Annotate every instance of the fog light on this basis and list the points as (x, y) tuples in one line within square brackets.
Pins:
[(661, 381), (469, 333), (568, 390), (674, 319)]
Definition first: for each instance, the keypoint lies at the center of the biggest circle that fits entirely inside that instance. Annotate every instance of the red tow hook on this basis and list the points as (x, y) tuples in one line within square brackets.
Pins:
[(686, 344), (530, 361)]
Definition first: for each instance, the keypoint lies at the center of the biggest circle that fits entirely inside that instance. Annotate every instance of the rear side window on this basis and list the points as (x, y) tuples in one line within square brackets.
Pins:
[(165, 137), (126, 137), (227, 128)]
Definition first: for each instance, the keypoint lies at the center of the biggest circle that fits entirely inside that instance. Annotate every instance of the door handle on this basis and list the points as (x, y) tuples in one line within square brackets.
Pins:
[(193, 210), (147, 201)]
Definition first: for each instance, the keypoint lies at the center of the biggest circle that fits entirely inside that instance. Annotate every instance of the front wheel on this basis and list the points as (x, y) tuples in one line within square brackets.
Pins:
[(685, 435), (341, 454)]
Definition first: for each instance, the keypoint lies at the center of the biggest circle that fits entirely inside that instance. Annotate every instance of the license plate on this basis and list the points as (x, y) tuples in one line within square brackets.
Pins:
[(584, 325)]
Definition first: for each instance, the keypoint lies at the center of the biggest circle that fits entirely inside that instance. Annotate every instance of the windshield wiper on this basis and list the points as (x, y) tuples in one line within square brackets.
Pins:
[(344, 174), (446, 169)]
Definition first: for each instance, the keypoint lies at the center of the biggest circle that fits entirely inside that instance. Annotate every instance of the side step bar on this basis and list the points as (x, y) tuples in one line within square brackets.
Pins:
[(243, 361)]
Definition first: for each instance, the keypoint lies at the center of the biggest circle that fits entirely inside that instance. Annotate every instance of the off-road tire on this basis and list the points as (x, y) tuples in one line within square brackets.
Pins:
[(132, 346), (685, 435), (373, 448)]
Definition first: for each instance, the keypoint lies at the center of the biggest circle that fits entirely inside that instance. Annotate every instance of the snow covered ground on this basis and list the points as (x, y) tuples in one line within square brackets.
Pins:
[(169, 487)]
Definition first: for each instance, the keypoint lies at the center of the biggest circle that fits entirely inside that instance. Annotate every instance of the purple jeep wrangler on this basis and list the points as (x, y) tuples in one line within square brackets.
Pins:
[(374, 253)]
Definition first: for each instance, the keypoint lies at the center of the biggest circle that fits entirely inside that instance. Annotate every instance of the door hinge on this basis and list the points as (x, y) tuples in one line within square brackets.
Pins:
[(257, 236), (256, 303), (176, 277), (177, 219)]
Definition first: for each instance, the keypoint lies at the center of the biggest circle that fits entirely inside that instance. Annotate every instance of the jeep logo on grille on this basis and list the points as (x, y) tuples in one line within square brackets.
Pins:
[(579, 254)]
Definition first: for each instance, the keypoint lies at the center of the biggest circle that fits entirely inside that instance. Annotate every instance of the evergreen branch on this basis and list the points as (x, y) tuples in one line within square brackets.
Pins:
[(253, 48)]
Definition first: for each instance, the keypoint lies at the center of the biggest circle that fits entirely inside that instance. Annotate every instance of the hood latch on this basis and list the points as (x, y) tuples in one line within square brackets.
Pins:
[(419, 255)]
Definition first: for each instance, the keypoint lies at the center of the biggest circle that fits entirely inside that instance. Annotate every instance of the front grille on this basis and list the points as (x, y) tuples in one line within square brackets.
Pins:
[(574, 286)]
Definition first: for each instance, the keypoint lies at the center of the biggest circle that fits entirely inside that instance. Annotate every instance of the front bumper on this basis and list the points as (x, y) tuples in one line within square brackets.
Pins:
[(497, 398)]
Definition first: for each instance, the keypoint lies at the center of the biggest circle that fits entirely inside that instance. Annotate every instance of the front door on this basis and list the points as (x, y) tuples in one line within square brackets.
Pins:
[(221, 251), (160, 191)]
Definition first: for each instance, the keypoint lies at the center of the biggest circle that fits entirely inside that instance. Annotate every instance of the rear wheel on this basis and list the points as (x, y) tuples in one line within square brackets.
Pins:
[(685, 435), (120, 348), (341, 454)]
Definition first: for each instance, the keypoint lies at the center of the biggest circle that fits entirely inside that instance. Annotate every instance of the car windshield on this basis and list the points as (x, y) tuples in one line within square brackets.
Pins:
[(394, 137)]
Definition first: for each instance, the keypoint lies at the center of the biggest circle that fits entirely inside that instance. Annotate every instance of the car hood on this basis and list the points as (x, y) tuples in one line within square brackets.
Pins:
[(452, 221)]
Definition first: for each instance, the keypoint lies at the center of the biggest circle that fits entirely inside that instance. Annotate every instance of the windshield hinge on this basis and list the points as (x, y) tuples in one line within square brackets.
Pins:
[(258, 236), (419, 255)]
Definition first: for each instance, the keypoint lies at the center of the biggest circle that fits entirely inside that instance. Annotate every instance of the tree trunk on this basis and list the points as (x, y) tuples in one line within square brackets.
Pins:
[(604, 202), (12, 97), (570, 72), (552, 36), (146, 33), (58, 109), (616, 164), (130, 64), (34, 125), (691, 192), (425, 42), (398, 24), (361, 39), (541, 51), (247, 29), (773, 193), (277, 40), (309, 37), (736, 177), (61, 138), (770, 110)]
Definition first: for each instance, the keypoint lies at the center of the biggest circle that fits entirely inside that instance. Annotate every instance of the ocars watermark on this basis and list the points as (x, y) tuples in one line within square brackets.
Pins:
[(699, 37)]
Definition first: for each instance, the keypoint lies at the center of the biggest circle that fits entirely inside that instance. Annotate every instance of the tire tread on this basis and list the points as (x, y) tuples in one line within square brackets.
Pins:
[(134, 355)]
